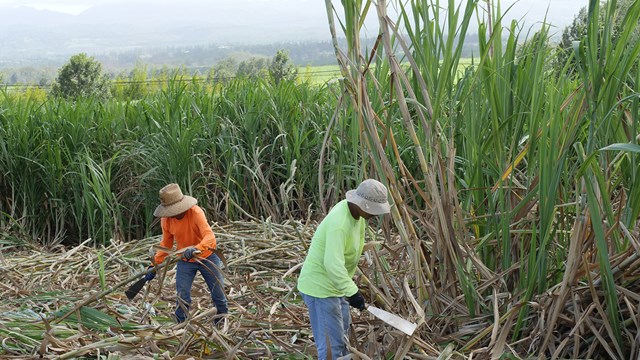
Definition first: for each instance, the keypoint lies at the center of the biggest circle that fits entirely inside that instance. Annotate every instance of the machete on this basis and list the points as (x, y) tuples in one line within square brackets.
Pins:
[(135, 288), (396, 321)]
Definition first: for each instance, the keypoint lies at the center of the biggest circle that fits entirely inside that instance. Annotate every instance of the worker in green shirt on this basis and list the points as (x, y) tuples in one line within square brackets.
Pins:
[(326, 279)]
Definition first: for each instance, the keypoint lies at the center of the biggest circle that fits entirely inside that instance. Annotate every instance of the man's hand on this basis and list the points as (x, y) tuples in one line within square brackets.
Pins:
[(356, 300), (190, 253), (150, 275)]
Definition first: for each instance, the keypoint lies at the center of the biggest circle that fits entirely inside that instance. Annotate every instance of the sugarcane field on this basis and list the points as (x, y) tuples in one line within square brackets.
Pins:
[(432, 180), (267, 320)]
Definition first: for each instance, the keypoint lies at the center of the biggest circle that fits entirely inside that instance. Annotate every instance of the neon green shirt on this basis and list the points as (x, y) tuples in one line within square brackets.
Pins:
[(333, 255)]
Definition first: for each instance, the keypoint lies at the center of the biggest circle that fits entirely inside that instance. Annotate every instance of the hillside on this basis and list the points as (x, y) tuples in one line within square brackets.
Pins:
[(34, 37)]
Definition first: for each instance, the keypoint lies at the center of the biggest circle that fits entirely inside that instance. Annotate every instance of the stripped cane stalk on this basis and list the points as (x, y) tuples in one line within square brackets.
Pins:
[(126, 281), (101, 294), (356, 88)]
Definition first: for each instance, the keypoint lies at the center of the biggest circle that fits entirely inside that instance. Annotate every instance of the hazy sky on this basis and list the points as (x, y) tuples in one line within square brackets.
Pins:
[(560, 12), (117, 26)]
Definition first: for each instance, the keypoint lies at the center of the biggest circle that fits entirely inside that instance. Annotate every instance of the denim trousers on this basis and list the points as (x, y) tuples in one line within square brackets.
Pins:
[(186, 272), (330, 320)]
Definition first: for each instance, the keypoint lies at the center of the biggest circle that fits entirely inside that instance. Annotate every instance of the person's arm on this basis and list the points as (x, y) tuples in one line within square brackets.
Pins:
[(208, 241), (166, 242), (334, 263)]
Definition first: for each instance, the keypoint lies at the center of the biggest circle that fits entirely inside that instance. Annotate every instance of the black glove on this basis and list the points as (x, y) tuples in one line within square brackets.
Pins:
[(189, 253), (151, 274), (356, 300)]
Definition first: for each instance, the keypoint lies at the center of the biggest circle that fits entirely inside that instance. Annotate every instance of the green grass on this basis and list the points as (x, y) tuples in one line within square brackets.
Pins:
[(319, 74), (322, 74)]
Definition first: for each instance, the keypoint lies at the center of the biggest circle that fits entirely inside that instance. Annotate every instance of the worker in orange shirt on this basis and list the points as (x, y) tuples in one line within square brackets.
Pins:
[(185, 223)]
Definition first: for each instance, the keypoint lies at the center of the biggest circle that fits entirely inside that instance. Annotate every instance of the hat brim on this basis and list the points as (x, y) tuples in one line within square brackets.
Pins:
[(367, 206), (175, 209)]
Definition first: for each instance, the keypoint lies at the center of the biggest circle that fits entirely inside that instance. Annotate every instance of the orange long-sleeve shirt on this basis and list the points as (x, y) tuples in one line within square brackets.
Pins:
[(191, 230)]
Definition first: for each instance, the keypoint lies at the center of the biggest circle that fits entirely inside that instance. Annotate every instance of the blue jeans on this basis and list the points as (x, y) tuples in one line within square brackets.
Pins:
[(186, 272), (330, 320)]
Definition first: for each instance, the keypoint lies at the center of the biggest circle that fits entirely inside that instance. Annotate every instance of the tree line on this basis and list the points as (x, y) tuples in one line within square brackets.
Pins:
[(83, 76)]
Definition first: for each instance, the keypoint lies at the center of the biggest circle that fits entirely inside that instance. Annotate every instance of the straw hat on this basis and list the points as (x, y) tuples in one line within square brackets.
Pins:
[(172, 202), (371, 197)]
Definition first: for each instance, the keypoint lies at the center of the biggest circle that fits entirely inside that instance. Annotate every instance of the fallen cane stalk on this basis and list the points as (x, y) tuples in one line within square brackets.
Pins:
[(119, 339), (104, 293), (128, 280), (87, 348)]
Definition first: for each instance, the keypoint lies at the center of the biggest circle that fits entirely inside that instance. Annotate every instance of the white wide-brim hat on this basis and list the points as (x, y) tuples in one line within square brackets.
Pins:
[(173, 202), (371, 197)]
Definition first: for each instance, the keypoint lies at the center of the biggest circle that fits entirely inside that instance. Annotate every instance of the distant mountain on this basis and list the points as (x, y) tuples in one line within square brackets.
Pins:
[(32, 37), (24, 15)]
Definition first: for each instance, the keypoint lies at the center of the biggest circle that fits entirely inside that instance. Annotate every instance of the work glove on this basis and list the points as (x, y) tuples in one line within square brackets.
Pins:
[(189, 253), (150, 275), (356, 300)]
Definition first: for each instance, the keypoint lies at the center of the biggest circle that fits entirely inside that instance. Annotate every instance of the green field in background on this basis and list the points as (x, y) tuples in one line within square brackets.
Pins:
[(324, 73), (319, 74)]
